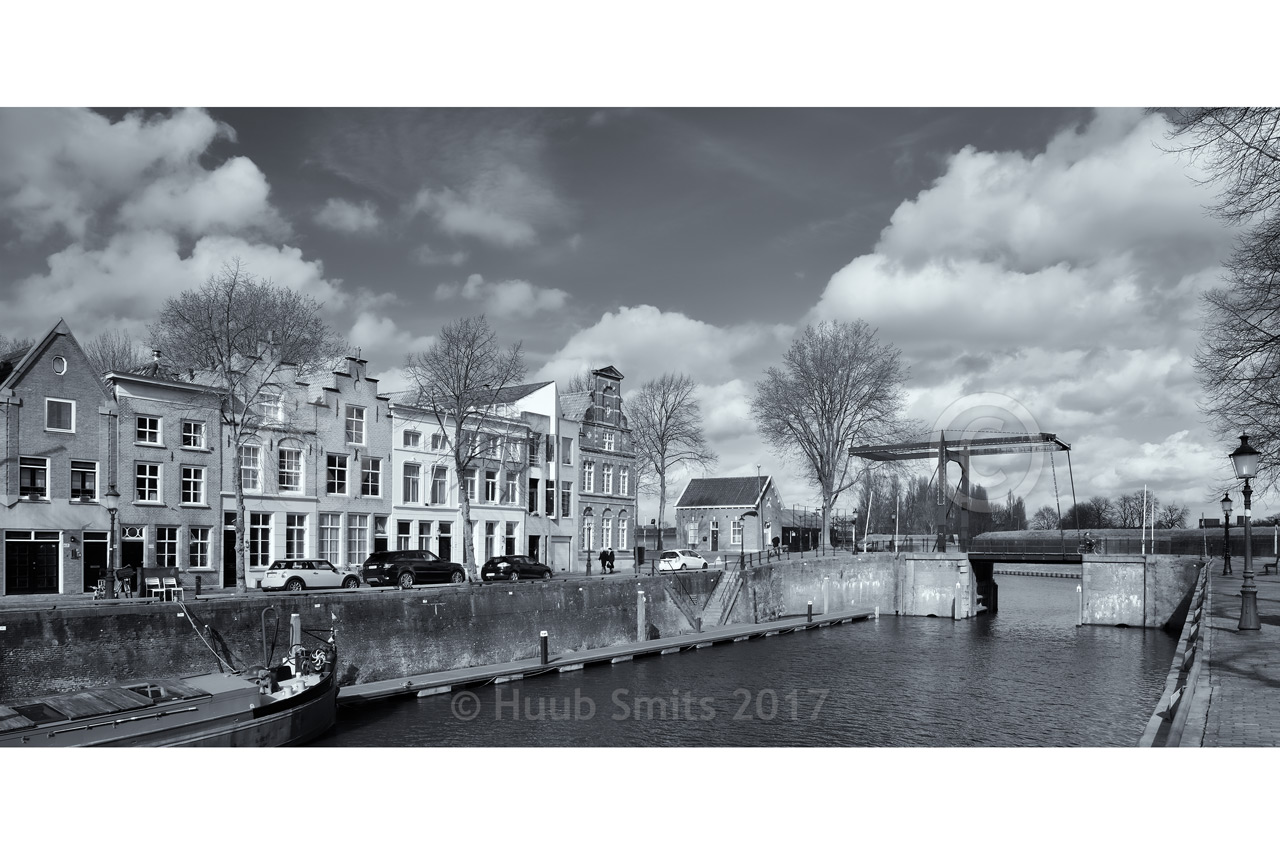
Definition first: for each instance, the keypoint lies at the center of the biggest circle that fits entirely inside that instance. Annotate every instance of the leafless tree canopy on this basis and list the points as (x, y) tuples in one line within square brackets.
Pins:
[(838, 386), (579, 382), (1171, 516), (460, 379), (11, 345), (1238, 360), (113, 350), (666, 425), (239, 333), (1045, 519)]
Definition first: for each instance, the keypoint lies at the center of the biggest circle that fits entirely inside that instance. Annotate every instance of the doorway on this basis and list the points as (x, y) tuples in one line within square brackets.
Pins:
[(446, 541), (31, 562), (95, 561), (535, 543)]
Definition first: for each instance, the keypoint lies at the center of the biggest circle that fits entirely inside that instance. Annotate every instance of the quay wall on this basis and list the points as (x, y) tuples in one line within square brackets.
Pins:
[(1144, 591)]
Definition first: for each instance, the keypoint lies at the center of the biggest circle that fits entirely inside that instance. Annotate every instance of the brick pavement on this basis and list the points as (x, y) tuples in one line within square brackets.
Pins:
[(1238, 691)]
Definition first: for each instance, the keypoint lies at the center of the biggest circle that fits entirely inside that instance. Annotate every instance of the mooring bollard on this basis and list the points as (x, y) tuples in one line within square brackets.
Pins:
[(877, 612), (542, 647), (808, 618)]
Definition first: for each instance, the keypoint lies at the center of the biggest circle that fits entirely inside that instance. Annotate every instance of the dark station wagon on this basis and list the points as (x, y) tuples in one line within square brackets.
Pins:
[(410, 567)]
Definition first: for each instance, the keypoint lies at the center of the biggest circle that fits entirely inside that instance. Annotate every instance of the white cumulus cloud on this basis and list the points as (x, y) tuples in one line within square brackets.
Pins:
[(342, 215), (514, 298)]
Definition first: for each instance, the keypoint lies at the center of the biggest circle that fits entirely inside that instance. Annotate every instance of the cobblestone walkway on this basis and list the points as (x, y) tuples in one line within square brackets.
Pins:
[(1237, 699)]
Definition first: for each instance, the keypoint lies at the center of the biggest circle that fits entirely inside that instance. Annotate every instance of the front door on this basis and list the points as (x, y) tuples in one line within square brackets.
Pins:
[(715, 538), (535, 543), (446, 541), (228, 558), (95, 562)]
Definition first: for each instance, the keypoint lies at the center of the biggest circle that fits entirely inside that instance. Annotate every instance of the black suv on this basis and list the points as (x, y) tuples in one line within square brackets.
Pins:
[(407, 568), (513, 568)]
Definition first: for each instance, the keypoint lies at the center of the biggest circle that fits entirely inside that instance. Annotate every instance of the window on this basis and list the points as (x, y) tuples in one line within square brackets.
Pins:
[(259, 540), (193, 485), (60, 415), (551, 498), (193, 434), (624, 480), (147, 430), (510, 539), (566, 491), (355, 425), (371, 476), (608, 477), (412, 474), (166, 546), (404, 532), (146, 482), (439, 484), (412, 439), (534, 442), (566, 450), (424, 535), (357, 538), (295, 535), (330, 528), (437, 441), (511, 488), (533, 495), (622, 533), (608, 440), (289, 475), (84, 481), (490, 535), (491, 487), (33, 477), (606, 531), (335, 482), (588, 476), (471, 484), (735, 533), (59, 365), (250, 466), (588, 534), (551, 449), (198, 548)]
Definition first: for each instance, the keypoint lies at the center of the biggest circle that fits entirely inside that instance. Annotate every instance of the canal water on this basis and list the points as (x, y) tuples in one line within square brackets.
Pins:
[(1027, 676)]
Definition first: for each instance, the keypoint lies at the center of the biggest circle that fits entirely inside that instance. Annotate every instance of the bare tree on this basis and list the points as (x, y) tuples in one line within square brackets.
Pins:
[(579, 382), (461, 381), (241, 335), (1045, 519), (12, 345), (1238, 360), (113, 350), (1172, 516), (838, 386), (666, 426)]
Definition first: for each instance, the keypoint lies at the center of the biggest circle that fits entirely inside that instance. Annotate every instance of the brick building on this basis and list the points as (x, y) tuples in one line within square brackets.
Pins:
[(57, 440), (607, 463), (709, 514)]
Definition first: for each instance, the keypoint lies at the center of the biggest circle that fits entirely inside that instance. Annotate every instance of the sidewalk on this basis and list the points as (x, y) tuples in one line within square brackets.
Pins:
[(1238, 692)]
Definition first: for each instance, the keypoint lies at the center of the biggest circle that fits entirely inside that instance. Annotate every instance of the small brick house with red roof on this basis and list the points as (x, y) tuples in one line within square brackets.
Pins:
[(709, 514)]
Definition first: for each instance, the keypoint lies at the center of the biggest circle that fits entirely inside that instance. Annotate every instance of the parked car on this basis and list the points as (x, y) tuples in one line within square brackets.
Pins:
[(407, 568), (675, 559), (513, 568), (295, 575)]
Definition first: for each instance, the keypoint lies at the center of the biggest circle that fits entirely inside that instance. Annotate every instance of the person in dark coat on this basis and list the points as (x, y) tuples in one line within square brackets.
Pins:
[(610, 551)]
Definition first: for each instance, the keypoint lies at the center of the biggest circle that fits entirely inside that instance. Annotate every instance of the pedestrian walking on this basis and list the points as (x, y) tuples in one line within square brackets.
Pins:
[(604, 561), (610, 551)]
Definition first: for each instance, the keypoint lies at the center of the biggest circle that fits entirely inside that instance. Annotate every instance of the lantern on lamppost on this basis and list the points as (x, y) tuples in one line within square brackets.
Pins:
[(742, 537), (111, 500), (1226, 533), (1245, 461)]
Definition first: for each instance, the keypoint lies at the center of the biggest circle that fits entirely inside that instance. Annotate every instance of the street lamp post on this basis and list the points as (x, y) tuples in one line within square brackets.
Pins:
[(854, 536), (1226, 534), (1245, 460), (111, 500)]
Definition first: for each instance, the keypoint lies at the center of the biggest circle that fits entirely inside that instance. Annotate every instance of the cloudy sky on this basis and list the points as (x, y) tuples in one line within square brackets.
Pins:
[(1050, 257)]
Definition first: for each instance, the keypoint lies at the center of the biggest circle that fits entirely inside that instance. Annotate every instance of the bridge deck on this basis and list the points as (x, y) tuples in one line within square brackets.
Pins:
[(1024, 557)]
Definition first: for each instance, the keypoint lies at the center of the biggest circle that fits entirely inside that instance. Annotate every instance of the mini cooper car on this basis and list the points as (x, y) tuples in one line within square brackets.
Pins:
[(681, 559), (295, 575), (513, 568)]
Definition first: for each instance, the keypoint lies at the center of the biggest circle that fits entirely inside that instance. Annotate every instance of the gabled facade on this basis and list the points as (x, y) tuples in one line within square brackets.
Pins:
[(169, 462), (709, 514), (607, 468), (57, 442)]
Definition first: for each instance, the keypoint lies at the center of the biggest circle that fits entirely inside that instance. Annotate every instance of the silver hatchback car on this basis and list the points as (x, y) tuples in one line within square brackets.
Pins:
[(676, 559)]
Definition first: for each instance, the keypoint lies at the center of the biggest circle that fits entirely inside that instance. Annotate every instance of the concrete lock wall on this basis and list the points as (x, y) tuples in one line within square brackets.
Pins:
[(381, 635), (1143, 591)]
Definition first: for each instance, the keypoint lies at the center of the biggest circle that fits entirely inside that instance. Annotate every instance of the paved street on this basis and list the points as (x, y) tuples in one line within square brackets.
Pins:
[(1237, 700)]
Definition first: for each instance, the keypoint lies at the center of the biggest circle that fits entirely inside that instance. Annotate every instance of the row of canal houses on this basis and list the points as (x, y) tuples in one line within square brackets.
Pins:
[(335, 469)]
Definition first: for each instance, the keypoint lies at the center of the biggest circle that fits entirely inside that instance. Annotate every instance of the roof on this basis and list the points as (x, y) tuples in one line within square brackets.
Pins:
[(574, 405), (10, 360), (610, 372), (507, 394), (723, 492)]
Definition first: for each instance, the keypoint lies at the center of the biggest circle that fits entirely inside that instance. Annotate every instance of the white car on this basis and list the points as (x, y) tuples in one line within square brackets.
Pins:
[(670, 561), (296, 575)]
